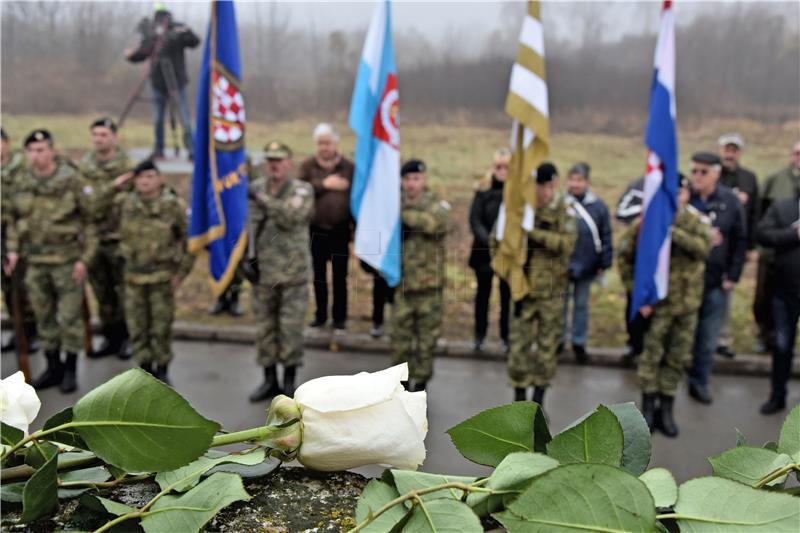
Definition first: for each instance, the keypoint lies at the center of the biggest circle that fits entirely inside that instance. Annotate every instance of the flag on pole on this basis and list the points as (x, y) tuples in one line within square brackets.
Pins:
[(219, 180), (375, 195), (527, 105), (651, 272)]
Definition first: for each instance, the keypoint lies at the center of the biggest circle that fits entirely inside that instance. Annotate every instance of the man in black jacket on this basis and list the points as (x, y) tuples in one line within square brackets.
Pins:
[(163, 42), (780, 231), (723, 266)]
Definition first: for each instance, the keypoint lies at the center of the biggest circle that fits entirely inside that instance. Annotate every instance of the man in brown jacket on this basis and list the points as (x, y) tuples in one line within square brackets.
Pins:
[(331, 175)]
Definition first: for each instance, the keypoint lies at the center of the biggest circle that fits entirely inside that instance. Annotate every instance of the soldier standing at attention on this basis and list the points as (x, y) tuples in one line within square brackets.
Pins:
[(280, 211), (49, 211), (13, 163), (418, 304), (668, 342), (153, 236), (106, 171), (539, 315)]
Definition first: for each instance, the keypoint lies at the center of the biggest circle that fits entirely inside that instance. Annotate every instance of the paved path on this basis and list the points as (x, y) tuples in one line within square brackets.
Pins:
[(217, 377)]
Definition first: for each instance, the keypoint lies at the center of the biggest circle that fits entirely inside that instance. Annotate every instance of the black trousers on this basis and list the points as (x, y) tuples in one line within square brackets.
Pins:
[(762, 303), (786, 313), (482, 297), (330, 245), (381, 295), (636, 328)]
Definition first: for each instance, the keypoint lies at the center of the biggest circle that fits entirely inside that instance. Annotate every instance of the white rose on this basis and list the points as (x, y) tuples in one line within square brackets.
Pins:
[(19, 404), (352, 421)]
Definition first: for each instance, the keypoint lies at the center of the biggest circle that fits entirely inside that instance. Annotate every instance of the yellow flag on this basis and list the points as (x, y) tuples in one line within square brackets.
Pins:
[(530, 140)]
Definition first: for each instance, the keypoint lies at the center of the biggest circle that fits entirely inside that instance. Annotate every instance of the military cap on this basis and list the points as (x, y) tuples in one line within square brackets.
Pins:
[(412, 165), (144, 166), (546, 173), (277, 150), (104, 122), (3, 134), (37, 136), (706, 158), (581, 168), (732, 138)]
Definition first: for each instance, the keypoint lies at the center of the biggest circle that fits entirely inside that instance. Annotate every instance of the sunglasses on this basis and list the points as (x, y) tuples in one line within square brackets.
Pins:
[(500, 166), (700, 171)]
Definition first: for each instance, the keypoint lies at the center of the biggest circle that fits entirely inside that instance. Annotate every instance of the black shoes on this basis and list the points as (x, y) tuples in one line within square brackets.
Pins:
[(227, 302), (477, 346), (538, 395), (773, 405), (726, 351), (161, 373), (700, 393), (581, 357), (54, 373), (664, 420), (115, 342), (317, 323), (649, 409), (70, 381), (269, 388), (519, 394)]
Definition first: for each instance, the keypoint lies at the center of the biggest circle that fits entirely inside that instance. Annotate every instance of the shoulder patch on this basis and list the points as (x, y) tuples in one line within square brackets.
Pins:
[(87, 189), (571, 211), (444, 204), (301, 191)]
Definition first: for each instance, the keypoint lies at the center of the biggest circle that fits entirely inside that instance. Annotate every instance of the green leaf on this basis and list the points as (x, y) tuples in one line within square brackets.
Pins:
[(9, 435), (662, 486), (789, 440), (741, 440), (375, 495), (581, 497), (489, 436), (443, 516), (408, 480), (69, 436), (712, 504), (39, 453), (771, 445), (516, 470), (190, 511), (40, 495), (186, 477), (748, 464), (266, 467), (12, 492), (97, 474), (104, 505), (596, 439), (116, 473), (637, 445), (137, 423)]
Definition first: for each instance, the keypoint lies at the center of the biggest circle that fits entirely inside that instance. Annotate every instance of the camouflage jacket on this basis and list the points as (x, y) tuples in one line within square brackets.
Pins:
[(153, 238), (15, 165), (50, 216), (99, 179), (280, 224), (550, 246), (691, 244), (424, 231)]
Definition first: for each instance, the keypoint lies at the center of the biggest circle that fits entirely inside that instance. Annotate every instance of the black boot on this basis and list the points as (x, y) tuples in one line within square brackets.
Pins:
[(519, 394), (538, 395), (161, 373), (124, 352), (665, 421), (10, 345), (234, 309), (269, 388), (70, 381), (289, 374), (147, 367), (649, 409), (774, 404), (54, 373), (33, 338), (581, 357), (110, 344), (220, 306), (418, 386)]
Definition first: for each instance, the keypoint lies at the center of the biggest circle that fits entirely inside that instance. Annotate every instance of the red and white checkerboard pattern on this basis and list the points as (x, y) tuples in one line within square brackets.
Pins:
[(227, 110)]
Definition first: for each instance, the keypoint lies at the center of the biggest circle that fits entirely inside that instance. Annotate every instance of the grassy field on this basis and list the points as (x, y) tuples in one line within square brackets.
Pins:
[(456, 155)]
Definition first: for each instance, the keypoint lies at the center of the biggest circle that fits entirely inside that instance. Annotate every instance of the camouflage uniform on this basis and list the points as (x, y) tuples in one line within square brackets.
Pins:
[(668, 342), (153, 245), (50, 226), (15, 165), (418, 306), (280, 298), (539, 315), (105, 271)]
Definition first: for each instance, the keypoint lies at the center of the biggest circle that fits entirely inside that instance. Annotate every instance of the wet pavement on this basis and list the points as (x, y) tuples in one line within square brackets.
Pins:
[(216, 378)]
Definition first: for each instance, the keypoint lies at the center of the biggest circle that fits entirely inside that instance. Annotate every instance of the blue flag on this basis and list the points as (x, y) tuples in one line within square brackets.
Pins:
[(219, 181)]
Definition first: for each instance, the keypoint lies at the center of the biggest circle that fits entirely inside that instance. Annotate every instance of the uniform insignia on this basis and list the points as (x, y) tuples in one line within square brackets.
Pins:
[(296, 201), (445, 204), (39, 136), (87, 189), (301, 192), (571, 211)]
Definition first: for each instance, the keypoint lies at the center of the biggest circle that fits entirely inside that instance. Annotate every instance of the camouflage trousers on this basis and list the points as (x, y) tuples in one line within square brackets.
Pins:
[(105, 277), (539, 320), (57, 303), (17, 281), (149, 313), (280, 311), (416, 328), (667, 350)]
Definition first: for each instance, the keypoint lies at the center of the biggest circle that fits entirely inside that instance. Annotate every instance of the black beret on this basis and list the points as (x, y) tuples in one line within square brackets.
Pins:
[(412, 165), (3, 134), (707, 158), (144, 166), (37, 136), (104, 122), (546, 173)]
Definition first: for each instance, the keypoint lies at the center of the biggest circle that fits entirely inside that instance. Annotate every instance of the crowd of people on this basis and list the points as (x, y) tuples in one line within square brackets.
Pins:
[(124, 229)]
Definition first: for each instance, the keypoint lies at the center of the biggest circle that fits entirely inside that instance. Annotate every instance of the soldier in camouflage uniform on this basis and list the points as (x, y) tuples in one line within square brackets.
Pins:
[(49, 210), (13, 162), (153, 244), (280, 210), (668, 342), (106, 171), (418, 306), (539, 315)]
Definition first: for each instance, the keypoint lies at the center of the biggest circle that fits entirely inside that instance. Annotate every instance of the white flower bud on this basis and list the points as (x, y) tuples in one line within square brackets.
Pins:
[(19, 403)]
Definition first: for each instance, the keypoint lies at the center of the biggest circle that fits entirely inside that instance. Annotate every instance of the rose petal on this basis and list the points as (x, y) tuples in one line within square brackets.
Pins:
[(19, 403), (416, 405), (343, 393)]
